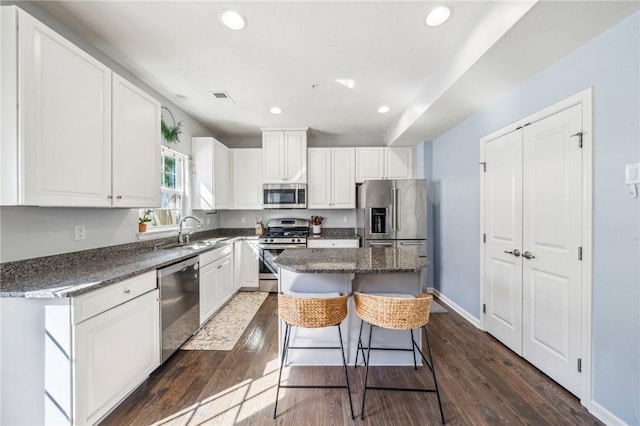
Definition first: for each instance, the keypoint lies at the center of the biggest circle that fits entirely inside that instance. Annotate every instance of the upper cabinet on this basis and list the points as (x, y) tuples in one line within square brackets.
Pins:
[(332, 178), (284, 156), (211, 174), (384, 163), (246, 172), (62, 146), (136, 146)]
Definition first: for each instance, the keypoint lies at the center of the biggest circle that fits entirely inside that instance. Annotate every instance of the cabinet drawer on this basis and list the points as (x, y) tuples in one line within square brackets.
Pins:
[(213, 255), (351, 243), (91, 304)]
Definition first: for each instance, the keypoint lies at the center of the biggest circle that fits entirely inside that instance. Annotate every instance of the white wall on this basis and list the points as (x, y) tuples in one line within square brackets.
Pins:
[(611, 65), (39, 231)]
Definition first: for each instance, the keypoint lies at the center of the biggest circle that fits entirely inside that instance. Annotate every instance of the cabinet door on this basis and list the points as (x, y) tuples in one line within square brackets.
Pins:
[(319, 185), (237, 265), (296, 156), (225, 278), (343, 178), (273, 157), (399, 163), (65, 120), (136, 146), (247, 179), (369, 164), (113, 353), (208, 291), (221, 175), (250, 265)]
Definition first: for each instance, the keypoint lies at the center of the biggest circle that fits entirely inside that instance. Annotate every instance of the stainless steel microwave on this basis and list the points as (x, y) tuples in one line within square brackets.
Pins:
[(284, 196)]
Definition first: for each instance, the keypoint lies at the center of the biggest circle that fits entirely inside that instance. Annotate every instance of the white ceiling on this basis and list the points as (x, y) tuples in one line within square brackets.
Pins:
[(291, 53)]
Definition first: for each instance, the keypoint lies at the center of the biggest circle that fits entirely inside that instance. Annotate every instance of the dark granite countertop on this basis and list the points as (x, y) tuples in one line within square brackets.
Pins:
[(350, 260), (73, 274), (335, 234)]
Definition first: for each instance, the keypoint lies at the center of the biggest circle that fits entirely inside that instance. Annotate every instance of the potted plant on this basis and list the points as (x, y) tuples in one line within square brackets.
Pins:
[(143, 220), (316, 221)]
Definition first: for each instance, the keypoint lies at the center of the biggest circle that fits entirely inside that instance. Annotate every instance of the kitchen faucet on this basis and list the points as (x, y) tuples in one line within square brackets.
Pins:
[(185, 238)]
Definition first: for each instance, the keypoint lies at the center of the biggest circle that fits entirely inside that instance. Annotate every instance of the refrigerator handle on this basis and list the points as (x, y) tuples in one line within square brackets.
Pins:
[(394, 202)]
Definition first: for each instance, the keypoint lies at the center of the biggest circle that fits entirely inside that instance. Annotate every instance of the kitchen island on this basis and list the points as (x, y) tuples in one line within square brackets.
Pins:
[(389, 271)]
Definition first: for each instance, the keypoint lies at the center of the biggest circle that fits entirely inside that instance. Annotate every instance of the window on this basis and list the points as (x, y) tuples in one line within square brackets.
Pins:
[(173, 185)]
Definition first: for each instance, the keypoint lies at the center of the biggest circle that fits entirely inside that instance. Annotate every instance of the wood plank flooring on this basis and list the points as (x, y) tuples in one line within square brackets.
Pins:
[(481, 383)]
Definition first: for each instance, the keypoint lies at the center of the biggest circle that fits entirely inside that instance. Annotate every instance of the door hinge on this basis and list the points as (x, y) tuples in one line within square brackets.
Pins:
[(579, 135), (579, 253), (484, 166), (484, 238), (484, 308), (579, 365)]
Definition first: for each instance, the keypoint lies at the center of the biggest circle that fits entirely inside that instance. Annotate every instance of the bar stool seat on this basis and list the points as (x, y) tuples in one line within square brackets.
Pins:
[(312, 312), (398, 313)]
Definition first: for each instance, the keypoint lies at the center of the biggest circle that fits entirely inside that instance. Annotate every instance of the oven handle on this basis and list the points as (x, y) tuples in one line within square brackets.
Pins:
[(280, 246)]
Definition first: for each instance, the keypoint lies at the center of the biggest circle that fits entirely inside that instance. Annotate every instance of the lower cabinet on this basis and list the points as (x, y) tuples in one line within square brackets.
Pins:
[(72, 360), (216, 281), (246, 265), (115, 352)]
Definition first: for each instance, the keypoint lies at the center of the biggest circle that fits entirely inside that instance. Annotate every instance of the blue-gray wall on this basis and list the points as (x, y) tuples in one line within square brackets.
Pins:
[(610, 64)]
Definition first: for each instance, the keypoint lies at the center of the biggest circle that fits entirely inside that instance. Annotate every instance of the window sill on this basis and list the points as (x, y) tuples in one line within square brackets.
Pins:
[(152, 233)]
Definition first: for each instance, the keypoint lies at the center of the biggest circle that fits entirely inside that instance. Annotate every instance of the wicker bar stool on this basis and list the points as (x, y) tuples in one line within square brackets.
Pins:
[(399, 313), (312, 312)]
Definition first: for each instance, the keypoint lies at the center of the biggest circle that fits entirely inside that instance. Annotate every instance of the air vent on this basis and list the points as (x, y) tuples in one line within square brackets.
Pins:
[(222, 96)]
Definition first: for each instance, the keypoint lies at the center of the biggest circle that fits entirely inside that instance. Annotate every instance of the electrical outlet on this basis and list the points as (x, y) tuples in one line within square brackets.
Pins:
[(208, 220), (80, 233), (243, 219), (346, 219)]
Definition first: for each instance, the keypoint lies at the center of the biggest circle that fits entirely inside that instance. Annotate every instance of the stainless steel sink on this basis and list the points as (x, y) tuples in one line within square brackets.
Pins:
[(196, 245)]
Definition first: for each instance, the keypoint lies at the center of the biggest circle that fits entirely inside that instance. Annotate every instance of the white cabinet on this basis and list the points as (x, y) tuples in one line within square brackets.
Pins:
[(57, 147), (384, 163), (332, 178), (246, 172), (211, 174), (72, 360), (216, 280), (136, 146), (246, 265), (341, 243), (115, 352), (284, 156)]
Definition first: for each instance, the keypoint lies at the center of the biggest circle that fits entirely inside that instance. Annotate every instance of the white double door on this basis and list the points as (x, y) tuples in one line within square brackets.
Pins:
[(532, 221)]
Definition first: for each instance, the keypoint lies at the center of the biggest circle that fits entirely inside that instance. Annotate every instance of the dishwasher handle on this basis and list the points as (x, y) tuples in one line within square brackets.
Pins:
[(171, 269)]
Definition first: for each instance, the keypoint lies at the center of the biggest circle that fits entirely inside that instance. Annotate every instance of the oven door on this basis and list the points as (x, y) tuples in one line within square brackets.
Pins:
[(268, 272), (284, 196)]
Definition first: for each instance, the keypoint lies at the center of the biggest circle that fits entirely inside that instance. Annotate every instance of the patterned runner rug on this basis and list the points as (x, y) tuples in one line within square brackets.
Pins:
[(224, 329)]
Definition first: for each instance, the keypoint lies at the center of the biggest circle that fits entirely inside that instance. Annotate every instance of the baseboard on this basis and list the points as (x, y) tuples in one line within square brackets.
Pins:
[(466, 315), (604, 415)]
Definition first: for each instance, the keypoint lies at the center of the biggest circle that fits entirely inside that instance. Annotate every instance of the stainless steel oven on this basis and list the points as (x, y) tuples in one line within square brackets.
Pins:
[(284, 196), (282, 234)]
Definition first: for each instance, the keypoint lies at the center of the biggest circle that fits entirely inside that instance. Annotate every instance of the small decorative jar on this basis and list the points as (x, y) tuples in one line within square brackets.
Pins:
[(317, 229)]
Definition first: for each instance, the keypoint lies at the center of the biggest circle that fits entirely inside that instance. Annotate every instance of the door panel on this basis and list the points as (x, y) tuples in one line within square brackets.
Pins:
[(503, 228), (552, 177), (412, 204)]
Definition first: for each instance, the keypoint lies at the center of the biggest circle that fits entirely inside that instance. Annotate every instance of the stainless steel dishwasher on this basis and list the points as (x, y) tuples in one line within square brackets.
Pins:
[(179, 304)]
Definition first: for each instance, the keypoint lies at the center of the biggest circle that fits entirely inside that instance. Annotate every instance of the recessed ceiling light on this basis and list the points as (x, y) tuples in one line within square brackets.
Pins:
[(276, 110), (233, 20), (438, 16), (384, 109), (347, 82)]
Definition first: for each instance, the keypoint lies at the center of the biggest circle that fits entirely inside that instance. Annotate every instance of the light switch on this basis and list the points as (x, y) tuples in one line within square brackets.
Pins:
[(632, 173)]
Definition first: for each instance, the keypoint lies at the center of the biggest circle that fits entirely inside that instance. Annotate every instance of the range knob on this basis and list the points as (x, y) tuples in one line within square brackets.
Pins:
[(298, 240), (270, 240)]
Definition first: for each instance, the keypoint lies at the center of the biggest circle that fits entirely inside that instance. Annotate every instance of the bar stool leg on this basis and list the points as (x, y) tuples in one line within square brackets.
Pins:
[(285, 346), (346, 374), (366, 370), (413, 350), (433, 373), (360, 345)]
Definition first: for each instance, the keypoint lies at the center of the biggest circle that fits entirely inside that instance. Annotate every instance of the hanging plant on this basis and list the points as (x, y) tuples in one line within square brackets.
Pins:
[(171, 133)]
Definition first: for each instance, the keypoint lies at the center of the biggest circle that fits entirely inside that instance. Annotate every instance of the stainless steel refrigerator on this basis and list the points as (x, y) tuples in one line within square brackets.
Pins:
[(393, 213)]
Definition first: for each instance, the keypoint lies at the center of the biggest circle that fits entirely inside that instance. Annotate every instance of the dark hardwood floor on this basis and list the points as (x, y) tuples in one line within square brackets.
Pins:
[(481, 383)]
